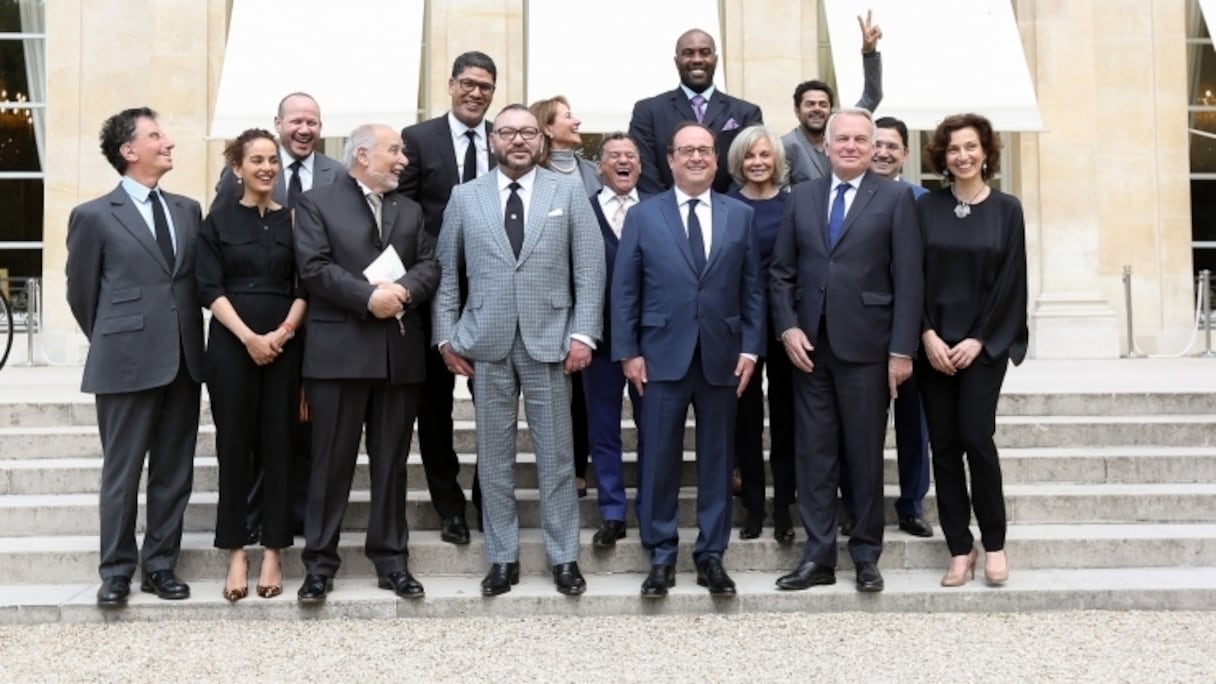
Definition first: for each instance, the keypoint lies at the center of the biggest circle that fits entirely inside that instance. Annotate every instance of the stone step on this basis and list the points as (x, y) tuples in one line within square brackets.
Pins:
[(67, 559), (71, 514), (1012, 432), (915, 591), (1127, 465)]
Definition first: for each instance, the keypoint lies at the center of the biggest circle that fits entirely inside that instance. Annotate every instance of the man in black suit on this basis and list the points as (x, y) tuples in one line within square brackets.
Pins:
[(696, 99), (846, 293), (130, 285), (364, 362), (444, 152)]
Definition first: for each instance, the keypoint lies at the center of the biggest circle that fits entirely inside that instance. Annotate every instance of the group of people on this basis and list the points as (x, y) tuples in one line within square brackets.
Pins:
[(493, 250)]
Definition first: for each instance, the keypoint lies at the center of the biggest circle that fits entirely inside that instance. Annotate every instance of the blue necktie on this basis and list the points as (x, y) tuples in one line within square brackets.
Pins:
[(836, 217), (696, 239)]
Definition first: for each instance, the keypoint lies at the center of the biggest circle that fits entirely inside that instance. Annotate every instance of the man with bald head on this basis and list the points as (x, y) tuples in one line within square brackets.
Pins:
[(695, 99)]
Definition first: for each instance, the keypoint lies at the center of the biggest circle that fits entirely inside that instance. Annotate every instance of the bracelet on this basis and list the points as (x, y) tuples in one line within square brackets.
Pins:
[(287, 325)]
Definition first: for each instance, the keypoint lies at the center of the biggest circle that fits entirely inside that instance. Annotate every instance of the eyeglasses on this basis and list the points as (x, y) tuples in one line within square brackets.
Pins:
[(690, 150), (508, 134), (468, 85)]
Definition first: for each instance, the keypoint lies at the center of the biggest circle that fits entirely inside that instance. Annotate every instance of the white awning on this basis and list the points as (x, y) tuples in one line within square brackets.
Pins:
[(360, 59), (604, 57), (939, 57)]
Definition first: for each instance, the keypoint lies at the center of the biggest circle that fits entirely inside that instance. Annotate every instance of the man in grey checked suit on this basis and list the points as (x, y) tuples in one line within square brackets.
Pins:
[(532, 250)]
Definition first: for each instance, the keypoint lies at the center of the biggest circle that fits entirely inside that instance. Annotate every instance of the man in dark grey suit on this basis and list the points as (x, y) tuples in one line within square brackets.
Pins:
[(696, 99), (130, 285), (364, 361), (298, 125), (846, 294), (535, 261), (813, 104)]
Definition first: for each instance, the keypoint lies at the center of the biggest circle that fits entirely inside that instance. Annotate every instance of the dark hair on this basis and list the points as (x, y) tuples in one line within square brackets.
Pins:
[(514, 107), (671, 140), (613, 137), (474, 60), (813, 85), (989, 140), (234, 151), (891, 122), (118, 130), (545, 112), (298, 93)]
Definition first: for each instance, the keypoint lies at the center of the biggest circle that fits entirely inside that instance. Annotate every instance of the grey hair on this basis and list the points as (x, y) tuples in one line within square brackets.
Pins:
[(363, 137), (743, 143), (857, 111)]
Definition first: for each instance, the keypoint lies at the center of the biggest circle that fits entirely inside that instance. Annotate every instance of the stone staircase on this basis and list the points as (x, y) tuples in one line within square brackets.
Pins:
[(1111, 498)]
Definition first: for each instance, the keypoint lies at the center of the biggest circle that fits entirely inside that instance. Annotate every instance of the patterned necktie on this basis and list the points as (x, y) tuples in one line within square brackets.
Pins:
[(513, 221), (698, 107), (161, 223), (618, 216), (470, 157), (377, 204), (294, 186), (836, 217), (696, 239)]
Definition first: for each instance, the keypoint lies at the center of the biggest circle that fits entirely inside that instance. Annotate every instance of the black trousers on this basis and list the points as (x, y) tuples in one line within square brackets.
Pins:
[(749, 435), (578, 422), (255, 411), (961, 411), (435, 429)]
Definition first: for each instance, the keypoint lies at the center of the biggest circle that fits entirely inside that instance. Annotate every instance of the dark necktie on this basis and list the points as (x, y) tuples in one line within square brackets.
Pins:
[(696, 240), (294, 187), (514, 219), (161, 223), (836, 217), (470, 157)]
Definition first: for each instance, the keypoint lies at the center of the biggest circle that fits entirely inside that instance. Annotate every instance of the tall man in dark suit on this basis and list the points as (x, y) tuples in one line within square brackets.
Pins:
[(846, 293), (130, 285), (444, 152), (603, 380), (696, 99), (688, 324), (535, 263), (364, 363)]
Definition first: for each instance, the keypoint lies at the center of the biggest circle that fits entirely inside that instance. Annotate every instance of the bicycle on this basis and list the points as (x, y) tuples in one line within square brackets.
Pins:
[(7, 326)]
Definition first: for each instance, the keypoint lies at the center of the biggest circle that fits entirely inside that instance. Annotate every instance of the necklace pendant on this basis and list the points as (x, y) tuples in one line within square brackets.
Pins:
[(962, 210)]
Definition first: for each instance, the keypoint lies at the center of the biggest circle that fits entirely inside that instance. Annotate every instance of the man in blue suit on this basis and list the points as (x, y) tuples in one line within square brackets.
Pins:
[(688, 322), (696, 99)]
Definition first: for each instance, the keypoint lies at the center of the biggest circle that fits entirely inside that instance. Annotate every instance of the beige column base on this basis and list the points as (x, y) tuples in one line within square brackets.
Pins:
[(1074, 325)]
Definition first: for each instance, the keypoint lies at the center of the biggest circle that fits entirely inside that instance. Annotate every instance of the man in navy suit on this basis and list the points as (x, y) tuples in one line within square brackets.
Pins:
[(688, 323), (603, 381), (696, 99)]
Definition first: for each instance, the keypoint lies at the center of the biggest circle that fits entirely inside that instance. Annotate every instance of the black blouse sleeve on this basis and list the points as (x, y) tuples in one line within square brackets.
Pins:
[(208, 263), (1001, 325)]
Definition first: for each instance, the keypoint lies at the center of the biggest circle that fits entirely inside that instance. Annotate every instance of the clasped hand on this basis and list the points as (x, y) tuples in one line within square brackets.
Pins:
[(387, 300)]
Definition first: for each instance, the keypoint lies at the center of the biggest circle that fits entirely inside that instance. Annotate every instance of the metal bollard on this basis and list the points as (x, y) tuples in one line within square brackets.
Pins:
[(33, 317), (1132, 353), (1205, 294)]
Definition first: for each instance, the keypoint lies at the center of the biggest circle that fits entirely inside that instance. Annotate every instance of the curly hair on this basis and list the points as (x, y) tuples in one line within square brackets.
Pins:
[(990, 141), (118, 130), (234, 151)]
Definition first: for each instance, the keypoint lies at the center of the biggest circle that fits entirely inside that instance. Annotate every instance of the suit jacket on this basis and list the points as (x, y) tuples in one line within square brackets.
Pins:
[(555, 287), (869, 288), (324, 171), (140, 313), (336, 238), (433, 169), (611, 244), (808, 162), (655, 118), (662, 308)]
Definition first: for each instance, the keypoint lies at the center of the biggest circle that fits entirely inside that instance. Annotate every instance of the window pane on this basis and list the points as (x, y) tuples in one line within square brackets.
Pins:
[(19, 263), (21, 210), (10, 14), (1203, 210)]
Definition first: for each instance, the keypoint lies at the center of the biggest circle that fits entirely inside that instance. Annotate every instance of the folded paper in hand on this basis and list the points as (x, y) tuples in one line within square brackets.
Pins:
[(385, 268)]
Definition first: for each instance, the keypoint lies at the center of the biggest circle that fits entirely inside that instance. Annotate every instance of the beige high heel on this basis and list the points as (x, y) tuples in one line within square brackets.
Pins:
[(271, 590), (958, 578), (234, 595), (999, 575)]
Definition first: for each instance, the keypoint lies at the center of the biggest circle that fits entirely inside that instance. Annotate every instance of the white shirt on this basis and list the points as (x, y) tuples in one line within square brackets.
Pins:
[(140, 195), (286, 160), (460, 143), (607, 198), (704, 215)]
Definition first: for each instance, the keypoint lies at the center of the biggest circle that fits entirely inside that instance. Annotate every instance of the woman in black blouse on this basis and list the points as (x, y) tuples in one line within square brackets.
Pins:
[(246, 275), (974, 325)]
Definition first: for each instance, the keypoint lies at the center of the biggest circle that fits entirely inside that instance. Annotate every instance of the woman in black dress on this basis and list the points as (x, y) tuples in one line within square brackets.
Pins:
[(246, 275), (974, 325)]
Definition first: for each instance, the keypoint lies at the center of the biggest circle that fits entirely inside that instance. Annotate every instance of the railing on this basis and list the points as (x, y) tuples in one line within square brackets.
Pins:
[(1203, 317), (25, 298)]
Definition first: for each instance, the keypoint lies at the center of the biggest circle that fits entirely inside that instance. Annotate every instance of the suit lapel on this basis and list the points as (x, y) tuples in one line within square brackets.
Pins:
[(388, 217), (715, 109), (682, 106), (491, 208), (865, 193), (543, 191), (490, 152), (675, 226), (718, 230), (129, 218), (180, 220), (605, 227)]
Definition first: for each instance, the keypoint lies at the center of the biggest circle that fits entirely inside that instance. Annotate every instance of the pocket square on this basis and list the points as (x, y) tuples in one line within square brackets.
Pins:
[(555, 212), (730, 124)]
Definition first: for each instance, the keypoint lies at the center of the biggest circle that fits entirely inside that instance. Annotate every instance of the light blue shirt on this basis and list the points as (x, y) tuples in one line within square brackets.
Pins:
[(139, 195), (709, 92)]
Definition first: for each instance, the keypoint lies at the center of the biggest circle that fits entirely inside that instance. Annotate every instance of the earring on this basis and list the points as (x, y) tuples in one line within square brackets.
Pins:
[(984, 167), (239, 180)]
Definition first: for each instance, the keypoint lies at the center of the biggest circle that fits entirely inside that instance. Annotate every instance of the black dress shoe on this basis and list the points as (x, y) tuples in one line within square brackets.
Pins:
[(315, 589), (868, 576), (808, 574), (165, 585), (568, 579), (711, 574), (500, 578), (114, 592), (660, 579), (783, 528), (917, 527), (609, 532), (751, 528), (454, 530), (403, 584), (846, 525)]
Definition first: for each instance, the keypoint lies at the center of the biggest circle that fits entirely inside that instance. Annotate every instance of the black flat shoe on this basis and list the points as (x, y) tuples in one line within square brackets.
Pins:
[(869, 579), (711, 574), (165, 585), (783, 528), (454, 530), (403, 584), (500, 578), (114, 592), (568, 579), (917, 527), (784, 536), (846, 526), (315, 589), (609, 532), (660, 579), (808, 574)]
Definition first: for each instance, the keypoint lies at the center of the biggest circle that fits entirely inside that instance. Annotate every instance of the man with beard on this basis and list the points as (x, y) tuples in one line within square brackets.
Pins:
[(444, 152), (364, 362), (814, 102), (696, 99), (535, 262)]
